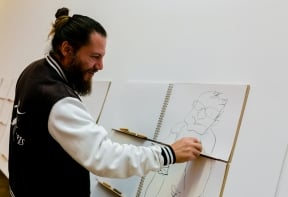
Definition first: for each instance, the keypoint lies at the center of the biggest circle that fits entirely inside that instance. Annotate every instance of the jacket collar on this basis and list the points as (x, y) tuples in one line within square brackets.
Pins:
[(53, 63)]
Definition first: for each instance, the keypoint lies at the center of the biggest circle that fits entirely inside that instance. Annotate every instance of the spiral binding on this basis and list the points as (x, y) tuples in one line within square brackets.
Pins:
[(163, 111), (158, 127)]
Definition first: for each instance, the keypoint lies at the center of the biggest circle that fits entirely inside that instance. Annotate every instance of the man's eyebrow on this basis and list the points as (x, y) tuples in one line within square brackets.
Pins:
[(97, 54)]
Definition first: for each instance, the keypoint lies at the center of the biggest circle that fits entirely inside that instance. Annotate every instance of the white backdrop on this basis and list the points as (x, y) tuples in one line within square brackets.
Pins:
[(200, 41)]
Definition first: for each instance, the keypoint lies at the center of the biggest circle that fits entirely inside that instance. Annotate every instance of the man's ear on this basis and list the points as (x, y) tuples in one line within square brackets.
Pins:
[(67, 49)]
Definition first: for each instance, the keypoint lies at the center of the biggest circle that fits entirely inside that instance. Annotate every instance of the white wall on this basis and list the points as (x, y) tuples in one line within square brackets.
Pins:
[(225, 41)]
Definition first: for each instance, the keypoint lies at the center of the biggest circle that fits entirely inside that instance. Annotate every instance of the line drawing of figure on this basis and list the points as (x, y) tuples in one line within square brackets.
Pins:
[(199, 122)]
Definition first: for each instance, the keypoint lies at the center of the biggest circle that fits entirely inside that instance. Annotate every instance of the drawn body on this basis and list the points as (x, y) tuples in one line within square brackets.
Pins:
[(199, 122)]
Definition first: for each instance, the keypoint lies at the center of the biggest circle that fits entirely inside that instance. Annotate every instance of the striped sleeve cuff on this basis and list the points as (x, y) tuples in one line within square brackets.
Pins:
[(168, 155)]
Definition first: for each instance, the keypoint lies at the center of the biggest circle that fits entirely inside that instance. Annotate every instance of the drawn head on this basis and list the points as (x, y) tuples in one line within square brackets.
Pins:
[(78, 43), (206, 111)]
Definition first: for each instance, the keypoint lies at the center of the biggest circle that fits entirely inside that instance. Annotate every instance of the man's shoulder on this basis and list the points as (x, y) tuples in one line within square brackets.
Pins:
[(35, 66)]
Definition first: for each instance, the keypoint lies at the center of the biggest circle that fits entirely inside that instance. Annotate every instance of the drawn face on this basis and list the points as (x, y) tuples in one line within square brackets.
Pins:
[(205, 112)]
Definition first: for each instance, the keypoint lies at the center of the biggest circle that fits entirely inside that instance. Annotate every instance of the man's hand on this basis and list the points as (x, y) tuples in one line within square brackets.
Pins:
[(186, 149)]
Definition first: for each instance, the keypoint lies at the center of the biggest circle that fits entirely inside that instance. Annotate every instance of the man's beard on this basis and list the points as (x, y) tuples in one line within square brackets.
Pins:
[(75, 76)]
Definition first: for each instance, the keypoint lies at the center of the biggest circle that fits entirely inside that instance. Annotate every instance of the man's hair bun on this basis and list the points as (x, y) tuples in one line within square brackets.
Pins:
[(62, 12)]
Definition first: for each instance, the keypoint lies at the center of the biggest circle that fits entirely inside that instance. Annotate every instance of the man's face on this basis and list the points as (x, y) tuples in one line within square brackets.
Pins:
[(87, 61)]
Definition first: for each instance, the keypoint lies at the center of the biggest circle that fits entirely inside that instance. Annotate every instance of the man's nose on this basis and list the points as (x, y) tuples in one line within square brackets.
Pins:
[(99, 65)]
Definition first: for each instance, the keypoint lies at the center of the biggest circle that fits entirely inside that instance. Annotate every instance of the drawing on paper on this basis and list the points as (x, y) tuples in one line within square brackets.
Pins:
[(203, 115)]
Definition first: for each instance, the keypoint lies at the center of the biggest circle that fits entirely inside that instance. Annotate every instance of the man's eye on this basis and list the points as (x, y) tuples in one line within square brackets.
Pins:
[(96, 56)]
